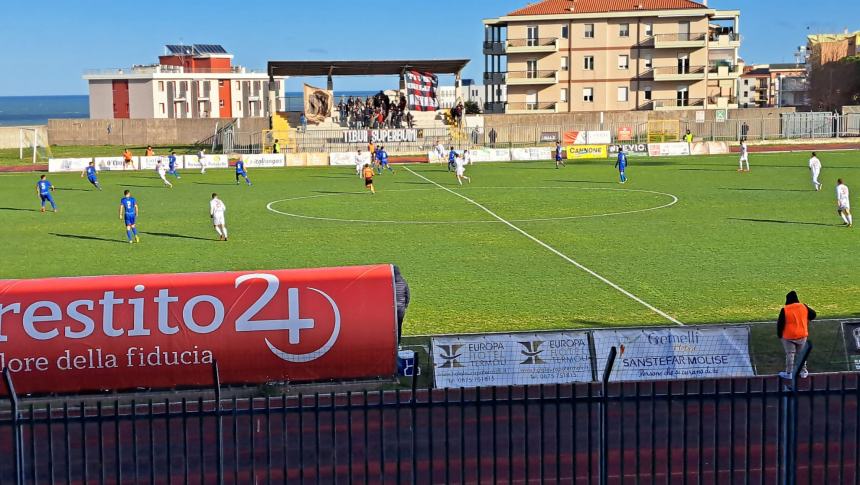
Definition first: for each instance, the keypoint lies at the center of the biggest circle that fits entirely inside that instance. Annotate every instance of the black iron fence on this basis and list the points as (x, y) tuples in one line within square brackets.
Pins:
[(753, 430)]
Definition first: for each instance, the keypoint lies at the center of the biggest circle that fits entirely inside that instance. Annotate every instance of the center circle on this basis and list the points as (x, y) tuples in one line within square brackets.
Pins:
[(659, 200)]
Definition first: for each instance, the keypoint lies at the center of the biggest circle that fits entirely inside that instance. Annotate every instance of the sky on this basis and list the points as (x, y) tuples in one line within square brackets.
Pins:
[(52, 42)]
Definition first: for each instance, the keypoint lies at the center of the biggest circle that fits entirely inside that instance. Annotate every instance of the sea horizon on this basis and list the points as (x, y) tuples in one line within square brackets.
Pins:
[(30, 110)]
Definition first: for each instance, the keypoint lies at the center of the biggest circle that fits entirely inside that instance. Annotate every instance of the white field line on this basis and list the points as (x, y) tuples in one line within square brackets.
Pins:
[(554, 251)]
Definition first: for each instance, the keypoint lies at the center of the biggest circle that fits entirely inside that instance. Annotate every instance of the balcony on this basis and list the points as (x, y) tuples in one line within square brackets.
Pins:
[(678, 73), (721, 40), (531, 108), (724, 71), (494, 78), (531, 78), (531, 46), (492, 48), (722, 102), (673, 104), (680, 41)]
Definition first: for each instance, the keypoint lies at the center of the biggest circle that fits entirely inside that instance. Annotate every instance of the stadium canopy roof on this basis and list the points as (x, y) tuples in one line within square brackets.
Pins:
[(364, 68)]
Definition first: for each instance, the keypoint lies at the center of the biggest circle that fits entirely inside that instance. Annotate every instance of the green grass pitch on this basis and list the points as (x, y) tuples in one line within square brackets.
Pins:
[(689, 236)]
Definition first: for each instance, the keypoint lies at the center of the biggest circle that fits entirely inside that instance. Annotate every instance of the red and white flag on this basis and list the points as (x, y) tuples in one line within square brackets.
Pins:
[(421, 89)]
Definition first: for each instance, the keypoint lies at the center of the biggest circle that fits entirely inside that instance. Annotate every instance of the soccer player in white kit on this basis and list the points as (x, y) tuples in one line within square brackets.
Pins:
[(843, 205), (162, 172), (460, 170), (201, 156), (217, 208), (815, 168), (467, 158), (745, 157), (359, 165)]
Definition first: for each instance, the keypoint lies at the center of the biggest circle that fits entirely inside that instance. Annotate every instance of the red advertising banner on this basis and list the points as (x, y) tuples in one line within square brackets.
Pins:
[(165, 330)]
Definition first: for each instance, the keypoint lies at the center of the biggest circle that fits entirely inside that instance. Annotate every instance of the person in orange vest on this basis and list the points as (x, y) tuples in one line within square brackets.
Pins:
[(792, 327)]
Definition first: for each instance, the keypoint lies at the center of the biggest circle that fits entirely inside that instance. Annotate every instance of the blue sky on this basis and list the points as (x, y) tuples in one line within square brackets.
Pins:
[(47, 44)]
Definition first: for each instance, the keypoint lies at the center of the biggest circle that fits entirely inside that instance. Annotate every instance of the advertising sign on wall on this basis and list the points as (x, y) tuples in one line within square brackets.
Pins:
[(851, 334), (511, 359), (490, 155), (675, 353), (537, 153), (264, 160), (68, 164), (624, 133), (631, 149), (165, 330), (380, 136), (668, 149), (582, 152), (115, 163), (343, 159)]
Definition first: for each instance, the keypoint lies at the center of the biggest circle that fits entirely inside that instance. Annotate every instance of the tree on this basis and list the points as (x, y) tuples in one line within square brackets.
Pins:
[(472, 108), (835, 84)]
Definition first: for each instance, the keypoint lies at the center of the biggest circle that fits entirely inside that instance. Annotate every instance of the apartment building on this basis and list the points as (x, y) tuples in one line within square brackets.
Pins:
[(559, 56), (189, 81), (770, 85)]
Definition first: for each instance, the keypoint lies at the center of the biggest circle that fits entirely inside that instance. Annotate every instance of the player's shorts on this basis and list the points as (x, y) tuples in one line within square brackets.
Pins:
[(45, 197), (130, 219), (91, 179), (368, 182), (241, 172), (460, 172), (745, 158), (844, 206), (218, 219)]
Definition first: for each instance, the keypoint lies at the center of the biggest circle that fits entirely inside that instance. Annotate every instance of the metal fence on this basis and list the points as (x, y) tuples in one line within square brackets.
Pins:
[(753, 430)]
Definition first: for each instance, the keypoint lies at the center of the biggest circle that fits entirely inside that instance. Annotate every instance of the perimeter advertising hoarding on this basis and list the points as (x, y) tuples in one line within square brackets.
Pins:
[(582, 152), (511, 359), (264, 160), (108, 164), (675, 353), (668, 149), (851, 335), (631, 149), (68, 164), (67, 335)]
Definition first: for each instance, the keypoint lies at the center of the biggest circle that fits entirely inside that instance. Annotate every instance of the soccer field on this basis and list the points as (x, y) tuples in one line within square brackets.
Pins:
[(524, 246)]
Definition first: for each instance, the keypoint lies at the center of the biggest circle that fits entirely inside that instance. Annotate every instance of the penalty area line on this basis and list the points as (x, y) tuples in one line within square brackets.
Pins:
[(553, 250)]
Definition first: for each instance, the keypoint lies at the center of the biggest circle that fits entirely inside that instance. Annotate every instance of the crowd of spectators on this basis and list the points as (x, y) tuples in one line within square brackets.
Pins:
[(378, 111)]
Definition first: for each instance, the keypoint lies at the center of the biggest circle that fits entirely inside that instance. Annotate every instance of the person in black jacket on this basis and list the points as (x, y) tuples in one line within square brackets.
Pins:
[(402, 296)]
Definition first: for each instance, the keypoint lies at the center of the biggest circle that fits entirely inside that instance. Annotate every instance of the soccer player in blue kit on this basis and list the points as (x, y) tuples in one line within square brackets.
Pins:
[(171, 165), (452, 160), (240, 170), (90, 172), (44, 189), (559, 159), (382, 156), (621, 164), (128, 214)]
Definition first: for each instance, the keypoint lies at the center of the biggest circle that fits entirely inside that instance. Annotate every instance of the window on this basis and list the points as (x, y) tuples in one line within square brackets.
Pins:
[(746, 94), (588, 63), (565, 33), (565, 63), (221, 83), (589, 31), (623, 61), (220, 103), (184, 85), (622, 93), (647, 90), (563, 95), (239, 106), (588, 95), (239, 85), (647, 61), (161, 86), (649, 29), (624, 30), (163, 107), (532, 68)]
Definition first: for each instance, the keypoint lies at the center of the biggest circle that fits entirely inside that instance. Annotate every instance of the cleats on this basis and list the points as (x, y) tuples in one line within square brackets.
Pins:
[(137, 239)]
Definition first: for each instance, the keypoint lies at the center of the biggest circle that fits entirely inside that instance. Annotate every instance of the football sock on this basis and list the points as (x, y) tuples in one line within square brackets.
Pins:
[(224, 230), (134, 230), (218, 230), (844, 217), (128, 233), (850, 220)]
